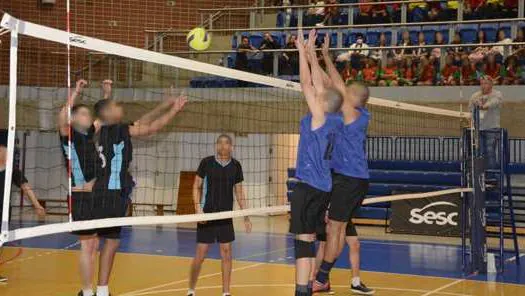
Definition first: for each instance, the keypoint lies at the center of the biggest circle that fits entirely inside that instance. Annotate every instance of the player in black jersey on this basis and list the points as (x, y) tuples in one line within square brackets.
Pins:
[(83, 168), (115, 152)]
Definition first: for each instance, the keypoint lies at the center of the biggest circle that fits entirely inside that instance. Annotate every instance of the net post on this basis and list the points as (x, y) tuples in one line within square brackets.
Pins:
[(13, 65)]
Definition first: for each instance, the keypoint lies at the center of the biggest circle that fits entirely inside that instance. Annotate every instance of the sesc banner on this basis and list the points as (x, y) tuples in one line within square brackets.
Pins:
[(440, 216)]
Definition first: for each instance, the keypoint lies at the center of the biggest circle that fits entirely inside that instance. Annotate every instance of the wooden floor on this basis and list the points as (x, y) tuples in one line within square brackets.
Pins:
[(53, 272)]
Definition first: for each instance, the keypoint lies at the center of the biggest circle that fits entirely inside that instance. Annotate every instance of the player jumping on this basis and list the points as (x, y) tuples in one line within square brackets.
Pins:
[(313, 161)]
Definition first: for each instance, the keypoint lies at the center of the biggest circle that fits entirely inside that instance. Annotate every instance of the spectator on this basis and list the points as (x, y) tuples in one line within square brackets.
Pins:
[(435, 13), (389, 74), (331, 13), (511, 73), (426, 72), (451, 11), (380, 14), (267, 62), (520, 37), (241, 62), (315, 15), (422, 51), (468, 71), (456, 40), (450, 74), (438, 40), (493, 9), (474, 9), (405, 41), (288, 13), (408, 72), (510, 9), (418, 11), (488, 101), (380, 54), (357, 52), (370, 72), (365, 12), (395, 12), (478, 54), (290, 60), (502, 39), (492, 69), (350, 74)]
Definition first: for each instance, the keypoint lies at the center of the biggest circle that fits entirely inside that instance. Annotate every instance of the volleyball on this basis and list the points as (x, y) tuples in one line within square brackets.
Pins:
[(198, 39)]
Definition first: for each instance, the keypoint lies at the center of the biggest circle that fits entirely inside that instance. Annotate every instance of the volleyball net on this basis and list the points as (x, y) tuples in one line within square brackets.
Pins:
[(260, 113)]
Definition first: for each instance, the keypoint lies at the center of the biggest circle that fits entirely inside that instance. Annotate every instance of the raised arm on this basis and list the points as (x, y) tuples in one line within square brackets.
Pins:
[(62, 120), (155, 126), (317, 73), (314, 103), (157, 111), (337, 80)]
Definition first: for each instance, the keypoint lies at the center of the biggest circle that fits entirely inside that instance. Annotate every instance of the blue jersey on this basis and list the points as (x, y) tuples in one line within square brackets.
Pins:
[(315, 151), (349, 156)]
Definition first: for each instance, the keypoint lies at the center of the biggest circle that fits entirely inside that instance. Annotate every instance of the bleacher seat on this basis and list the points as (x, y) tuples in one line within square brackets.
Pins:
[(430, 32), (372, 36), (469, 32), (507, 28), (413, 31), (279, 37), (444, 29), (256, 39), (411, 165), (490, 30)]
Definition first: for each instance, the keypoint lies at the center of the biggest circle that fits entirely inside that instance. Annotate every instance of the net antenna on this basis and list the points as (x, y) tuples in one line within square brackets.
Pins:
[(63, 37)]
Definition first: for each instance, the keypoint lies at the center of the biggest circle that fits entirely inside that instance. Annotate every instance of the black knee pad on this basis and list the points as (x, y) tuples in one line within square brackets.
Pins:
[(304, 249)]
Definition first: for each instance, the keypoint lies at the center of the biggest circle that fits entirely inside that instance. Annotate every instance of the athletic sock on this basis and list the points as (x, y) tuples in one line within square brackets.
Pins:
[(356, 281), (191, 292), (87, 292), (102, 291), (301, 290), (324, 272)]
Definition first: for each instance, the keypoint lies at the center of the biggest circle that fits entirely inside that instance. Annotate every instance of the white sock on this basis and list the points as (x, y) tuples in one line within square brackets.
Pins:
[(226, 294), (102, 291), (87, 292), (191, 292), (356, 281)]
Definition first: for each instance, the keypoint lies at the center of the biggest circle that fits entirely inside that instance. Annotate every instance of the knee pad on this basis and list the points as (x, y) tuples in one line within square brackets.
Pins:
[(304, 249)]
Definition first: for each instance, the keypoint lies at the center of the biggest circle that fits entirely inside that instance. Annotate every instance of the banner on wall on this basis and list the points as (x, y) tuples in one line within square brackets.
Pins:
[(440, 216)]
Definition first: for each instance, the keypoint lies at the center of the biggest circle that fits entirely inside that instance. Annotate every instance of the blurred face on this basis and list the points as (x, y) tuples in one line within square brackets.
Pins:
[(501, 35), (457, 38), (390, 62), (406, 36), (245, 41), (439, 37), (293, 38), (450, 60), (382, 38), (82, 118), (486, 86), (491, 59), (421, 37), (359, 94), (114, 113), (266, 36), (224, 147), (481, 36)]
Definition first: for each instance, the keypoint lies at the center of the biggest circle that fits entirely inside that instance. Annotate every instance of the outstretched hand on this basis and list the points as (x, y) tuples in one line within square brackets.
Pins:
[(299, 41), (179, 103), (326, 46), (80, 85), (107, 88)]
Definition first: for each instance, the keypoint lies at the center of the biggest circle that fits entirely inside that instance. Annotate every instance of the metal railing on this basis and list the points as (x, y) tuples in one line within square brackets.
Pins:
[(352, 8)]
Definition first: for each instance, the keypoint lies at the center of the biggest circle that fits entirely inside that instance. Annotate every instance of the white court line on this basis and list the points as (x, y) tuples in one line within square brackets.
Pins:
[(443, 287), (288, 286), (513, 258), (212, 274)]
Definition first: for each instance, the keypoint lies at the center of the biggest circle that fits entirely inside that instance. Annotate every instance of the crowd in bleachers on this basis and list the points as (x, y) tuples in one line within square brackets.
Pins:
[(406, 66), (325, 13)]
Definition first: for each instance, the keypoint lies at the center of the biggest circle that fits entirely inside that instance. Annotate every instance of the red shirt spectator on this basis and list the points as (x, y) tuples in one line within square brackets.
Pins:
[(370, 73), (475, 3), (365, 9)]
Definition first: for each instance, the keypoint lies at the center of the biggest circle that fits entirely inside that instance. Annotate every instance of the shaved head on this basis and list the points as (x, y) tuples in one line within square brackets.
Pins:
[(360, 91)]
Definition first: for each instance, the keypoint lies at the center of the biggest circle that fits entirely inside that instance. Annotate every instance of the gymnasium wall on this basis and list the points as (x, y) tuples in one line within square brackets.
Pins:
[(122, 21)]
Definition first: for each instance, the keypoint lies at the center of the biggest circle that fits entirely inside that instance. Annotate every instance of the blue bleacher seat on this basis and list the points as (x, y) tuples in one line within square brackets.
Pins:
[(256, 39), (413, 31), (279, 37), (372, 36), (430, 32), (468, 32), (490, 30), (444, 29)]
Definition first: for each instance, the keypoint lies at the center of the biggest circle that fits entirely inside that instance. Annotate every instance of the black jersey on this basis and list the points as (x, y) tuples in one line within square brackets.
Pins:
[(115, 153), (219, 181), (83, 156), (17, 179)]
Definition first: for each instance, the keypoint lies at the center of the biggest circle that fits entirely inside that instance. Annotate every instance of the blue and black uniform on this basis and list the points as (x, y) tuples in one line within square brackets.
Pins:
[(115, 153), (309, 198), (219, 180), (350, 170), (83, 168)]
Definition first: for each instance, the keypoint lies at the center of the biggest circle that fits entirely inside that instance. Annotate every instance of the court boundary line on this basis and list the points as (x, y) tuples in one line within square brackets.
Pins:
[(289, 286), (444, 287)]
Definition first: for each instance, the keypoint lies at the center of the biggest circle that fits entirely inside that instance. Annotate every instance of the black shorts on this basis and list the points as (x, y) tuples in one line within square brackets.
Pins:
[(347, 196), (350, 231), (220, 231), (98, 204), (308, 208)]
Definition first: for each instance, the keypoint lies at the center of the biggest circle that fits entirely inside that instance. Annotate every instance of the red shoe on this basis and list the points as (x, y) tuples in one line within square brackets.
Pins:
[(318, 287)]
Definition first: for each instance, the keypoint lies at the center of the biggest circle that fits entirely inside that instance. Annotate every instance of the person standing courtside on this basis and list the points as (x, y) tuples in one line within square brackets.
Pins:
[(221, 175)]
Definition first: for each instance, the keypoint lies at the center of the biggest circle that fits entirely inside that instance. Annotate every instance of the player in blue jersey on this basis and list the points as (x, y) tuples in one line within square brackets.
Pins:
[(115, 151), (350, 179), (313, 161)]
